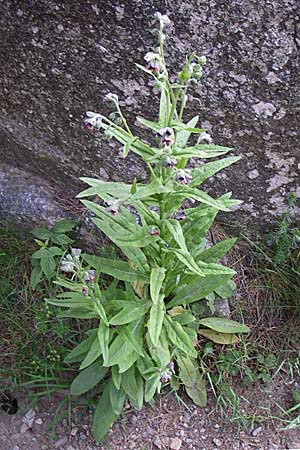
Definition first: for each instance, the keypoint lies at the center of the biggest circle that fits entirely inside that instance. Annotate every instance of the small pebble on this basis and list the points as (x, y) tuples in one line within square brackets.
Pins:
[(74, 431), (39, 421), (217, 442), (23, 428), (83, 436), (256, 431), (175, 443), (60, 442), (16, 448)]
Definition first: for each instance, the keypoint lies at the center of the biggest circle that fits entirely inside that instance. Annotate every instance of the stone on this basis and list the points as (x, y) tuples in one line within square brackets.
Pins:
[(217, 442), (294, 445), (253, 174), (60, 442), (23, 428), (71, 60), (175, 443), (39, 421), (256, 431)]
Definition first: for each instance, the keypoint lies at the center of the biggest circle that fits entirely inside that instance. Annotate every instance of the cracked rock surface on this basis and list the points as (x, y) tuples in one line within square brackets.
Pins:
[(59, 60)]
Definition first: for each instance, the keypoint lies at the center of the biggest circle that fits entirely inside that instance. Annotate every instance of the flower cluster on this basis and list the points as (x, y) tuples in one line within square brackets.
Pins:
[(166, 136), (70, 263), (154, 62), (167, 373), (92, 121), (184, 176)]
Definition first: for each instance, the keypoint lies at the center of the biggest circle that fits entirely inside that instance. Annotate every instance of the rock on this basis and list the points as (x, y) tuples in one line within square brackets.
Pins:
[(23, 428), (264, 110), (29, 418), (217, 442), (70, 447), (16, 448), (157, 442), (60, 442), (175, 443), (253, 174), (83, 436), (39, 421), (53, 76), (294, 446), (256, 431), (74, 431)]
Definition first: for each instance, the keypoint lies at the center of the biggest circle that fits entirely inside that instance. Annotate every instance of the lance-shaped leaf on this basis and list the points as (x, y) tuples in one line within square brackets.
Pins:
[(88, 378), (201, 151), (223, 325), (164, 108), (149, 124), (156, 318), (176, 231), (104, 415), (179, 337), (103, 337), (215, 252), (117, 399), (156, 281), (203, 197), (78, 353), (116, 268), (192, 380), (198, 289), (187, 260), (129, 383), (184, 132), (130, 314), (79, 313), (200, 174), (94, 353), (219, 338), (152, 384)]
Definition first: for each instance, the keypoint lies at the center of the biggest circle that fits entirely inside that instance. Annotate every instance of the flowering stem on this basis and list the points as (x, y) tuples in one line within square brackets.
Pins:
[(123, 119), (184, 91)]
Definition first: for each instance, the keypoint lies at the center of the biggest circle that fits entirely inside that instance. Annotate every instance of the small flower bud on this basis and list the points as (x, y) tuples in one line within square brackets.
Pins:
[(171, 366), (75, 252), (163, 19), (165, 378), (92, 121), (154, 231), (111, 98), (202, 60), (84, 290)]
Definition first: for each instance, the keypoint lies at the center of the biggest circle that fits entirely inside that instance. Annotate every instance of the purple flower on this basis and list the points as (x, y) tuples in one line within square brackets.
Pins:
[(84, 290), (89, 276), (154, 231), (153, 62), (92, 121), (184, 176), (180, 215), (166, 135), (171, 366), (170, 162), (165, 378)]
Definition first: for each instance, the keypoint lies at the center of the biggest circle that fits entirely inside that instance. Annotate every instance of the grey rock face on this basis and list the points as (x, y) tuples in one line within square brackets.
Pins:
[(59, 60)]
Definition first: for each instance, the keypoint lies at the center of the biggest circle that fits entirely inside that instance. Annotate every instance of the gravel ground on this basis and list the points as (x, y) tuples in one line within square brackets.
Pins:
[(170, 424)]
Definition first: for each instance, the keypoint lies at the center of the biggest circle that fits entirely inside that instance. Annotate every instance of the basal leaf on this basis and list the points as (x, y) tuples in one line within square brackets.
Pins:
[(104, 415), (88, 378), (223, 325), (157, 313), (94, 353), (219, 338)]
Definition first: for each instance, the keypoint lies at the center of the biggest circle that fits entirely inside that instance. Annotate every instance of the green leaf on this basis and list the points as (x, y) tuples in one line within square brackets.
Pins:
[(88, 378), (217, 251), (94, 353), (116, 268), (104, 415), (164, 107), (223, 325), (203, 197), (200, 174), (193, 380), (116, 376), (61, 239), (226, 290), (117, 399), (156, 280), (79, 313), (81, 349), (187, 260), (130, 314), (103, 337), (179, 337), (128, 145), (198, 289), (41, 233), (219, 338), (157, 313), (119, 350), (182, 136), (63, 226), (152, 384), (35, 277), (129, 382), (138, 400), (149, 124), (48, 265)]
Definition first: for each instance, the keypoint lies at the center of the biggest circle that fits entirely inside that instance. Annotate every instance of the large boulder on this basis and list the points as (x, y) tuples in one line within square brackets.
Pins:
[(59, 59)]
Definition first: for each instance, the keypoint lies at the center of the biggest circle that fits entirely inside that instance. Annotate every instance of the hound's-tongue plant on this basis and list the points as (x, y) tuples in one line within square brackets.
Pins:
[(148, 325)]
